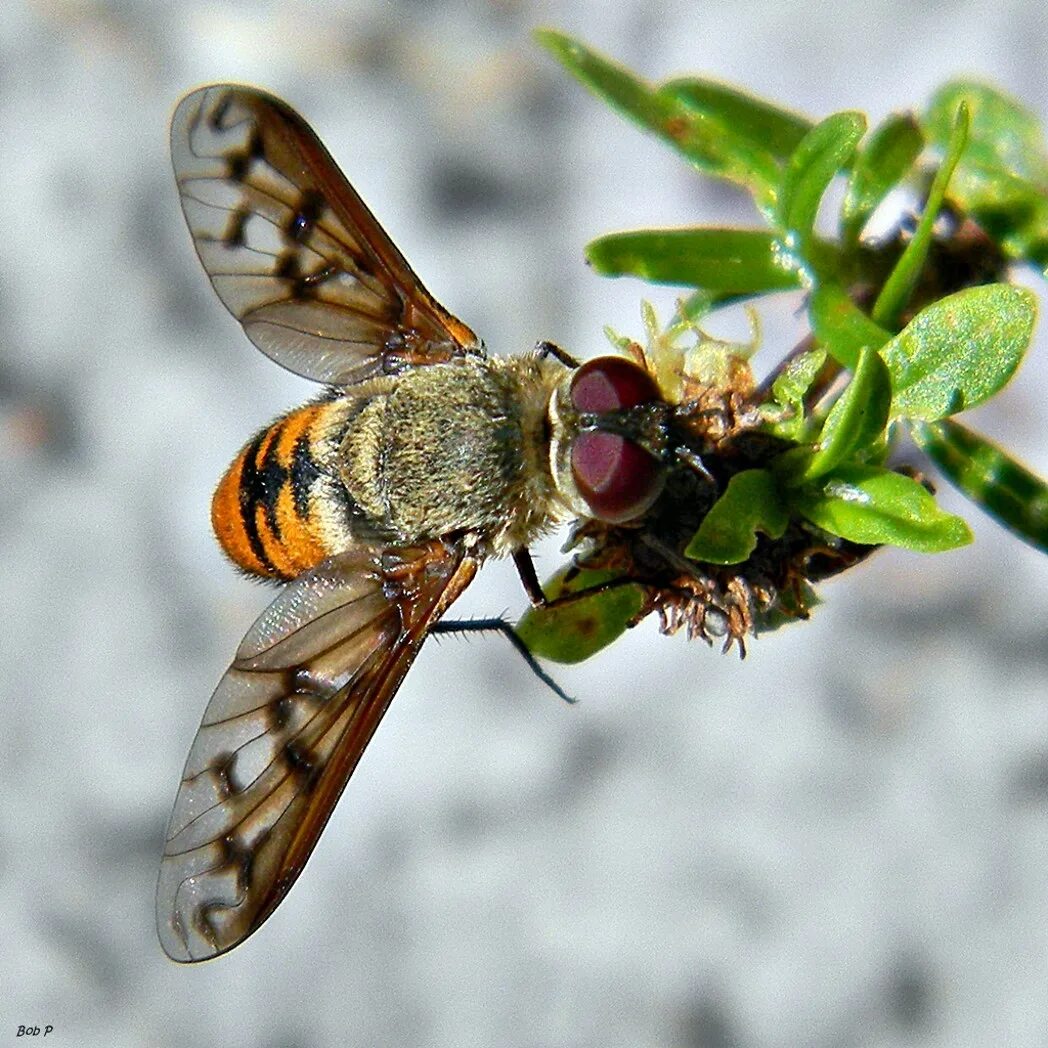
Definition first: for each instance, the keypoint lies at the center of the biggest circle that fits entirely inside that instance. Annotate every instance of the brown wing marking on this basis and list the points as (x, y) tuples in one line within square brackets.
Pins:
[(284, 731), (293, 252)]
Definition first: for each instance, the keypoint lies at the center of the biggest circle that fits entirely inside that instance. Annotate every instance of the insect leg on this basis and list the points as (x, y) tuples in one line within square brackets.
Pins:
[(500, 625), (529, 579), (550, 349)]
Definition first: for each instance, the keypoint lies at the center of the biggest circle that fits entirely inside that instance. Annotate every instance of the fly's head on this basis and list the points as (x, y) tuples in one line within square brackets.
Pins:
[(610, 443)]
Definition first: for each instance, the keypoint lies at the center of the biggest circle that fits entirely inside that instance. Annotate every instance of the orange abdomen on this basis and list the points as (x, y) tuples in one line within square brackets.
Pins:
[(263, 509)]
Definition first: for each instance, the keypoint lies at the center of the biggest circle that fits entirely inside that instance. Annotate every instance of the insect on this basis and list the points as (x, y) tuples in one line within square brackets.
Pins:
[(374, 504)]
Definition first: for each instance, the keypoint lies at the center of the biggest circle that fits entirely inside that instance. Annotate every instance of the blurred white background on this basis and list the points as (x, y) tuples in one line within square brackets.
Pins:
[(841, 841)]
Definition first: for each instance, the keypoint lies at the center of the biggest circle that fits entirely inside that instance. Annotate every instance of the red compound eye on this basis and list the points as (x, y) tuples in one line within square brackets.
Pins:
[(611, 384), (618, 479)]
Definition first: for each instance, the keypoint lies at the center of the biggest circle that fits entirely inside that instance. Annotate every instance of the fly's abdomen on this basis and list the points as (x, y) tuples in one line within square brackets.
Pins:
[(277, 511)]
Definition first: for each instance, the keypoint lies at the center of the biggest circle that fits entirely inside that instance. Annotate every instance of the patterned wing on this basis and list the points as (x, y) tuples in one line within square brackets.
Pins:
[(292, 251), (283, 733)]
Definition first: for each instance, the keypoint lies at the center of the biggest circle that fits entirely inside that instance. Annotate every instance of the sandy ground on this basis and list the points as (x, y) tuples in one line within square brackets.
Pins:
[(841, 841)]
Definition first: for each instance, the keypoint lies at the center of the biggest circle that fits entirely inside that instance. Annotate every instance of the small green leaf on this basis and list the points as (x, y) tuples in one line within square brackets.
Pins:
[(785, 412), (728, 534), (883, 162), (878, 506), (1002, 178), (706, 135), (1009, 209), (823, 151), (1006, 490), (576, 630), (704, 140), (841, 326), (729, 261), (744, 117), (858, 419), (1004, 134), (903, 278), (623, 90), (796, 378), (960, 350)]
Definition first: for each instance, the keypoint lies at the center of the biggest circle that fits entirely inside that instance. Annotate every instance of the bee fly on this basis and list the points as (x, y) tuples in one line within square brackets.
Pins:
[(375, 504)]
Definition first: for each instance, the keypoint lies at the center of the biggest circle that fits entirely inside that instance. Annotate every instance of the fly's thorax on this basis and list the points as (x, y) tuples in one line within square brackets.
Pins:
[(538, 503), (456, 447)]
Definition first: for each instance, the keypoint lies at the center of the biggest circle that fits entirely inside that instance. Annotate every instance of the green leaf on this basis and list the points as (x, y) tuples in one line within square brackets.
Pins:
[(796, 378), (1006, 490), (701, 138), (960, 350), (1002, 178), (841, 326), (576, 630), (1009, 209), (785, 413), (729, 261), (883, 162), (823, 151), (858, 419), (903, 278), (748, 121), (878, 506), (728, 534), (623, 90), (1003, 134)]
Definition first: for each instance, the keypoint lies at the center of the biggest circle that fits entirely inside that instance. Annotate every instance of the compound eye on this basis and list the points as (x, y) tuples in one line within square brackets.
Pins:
[(618, 479), (611, 384)]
